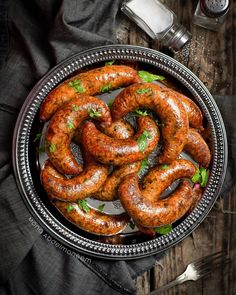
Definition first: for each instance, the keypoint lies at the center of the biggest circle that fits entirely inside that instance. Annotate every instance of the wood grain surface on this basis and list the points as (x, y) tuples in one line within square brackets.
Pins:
[(212, 57)]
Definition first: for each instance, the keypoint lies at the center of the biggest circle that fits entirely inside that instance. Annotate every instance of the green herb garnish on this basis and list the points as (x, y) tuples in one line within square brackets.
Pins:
[(131, 224), (201, 176), (37, 137), (110, 103), (106, 88), (52, 147), (140, 113), (69, 208), (84, 205), (143, 140), (109, 63), (101, 207), (76, 84), (149, 77), (163, 230), (144, 165), (75, 107), (40, 149), (144, 90), (94, 113), (70, 125), (164, 166)]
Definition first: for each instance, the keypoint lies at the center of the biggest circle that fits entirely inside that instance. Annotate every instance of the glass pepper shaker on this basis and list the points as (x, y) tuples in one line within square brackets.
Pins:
[(158, 21), (210, 14)]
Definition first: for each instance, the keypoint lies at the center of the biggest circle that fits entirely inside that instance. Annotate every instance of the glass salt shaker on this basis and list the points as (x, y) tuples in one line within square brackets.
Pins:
[(158, 21), (210, 14)]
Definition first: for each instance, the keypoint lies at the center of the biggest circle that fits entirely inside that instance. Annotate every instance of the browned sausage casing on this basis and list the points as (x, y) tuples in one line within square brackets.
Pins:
[(108, 192), (154, 213), (78, 187), (120, 151), (161, 177), (194, 113), (93, 221), (90, 83), (62, 126), (119, 129), (197, 148), (168, 107)]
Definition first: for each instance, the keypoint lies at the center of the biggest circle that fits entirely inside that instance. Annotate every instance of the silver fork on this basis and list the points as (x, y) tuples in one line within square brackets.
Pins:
[(197, 270)]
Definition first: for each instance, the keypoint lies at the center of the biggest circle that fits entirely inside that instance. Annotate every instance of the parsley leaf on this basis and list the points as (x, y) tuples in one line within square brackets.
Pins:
[(70, 125), (163, 230), (144, 165), (201, 176), (70, 208), (101, 207), (140, 113), (109, 63), (143, 140), (164, 166), (84, 205), (106, 88), (76, 84), (110, 103), (52, 147), (75, 107), (37, 137), (94, 113), (148, 77), (131, 224), (144, 90)]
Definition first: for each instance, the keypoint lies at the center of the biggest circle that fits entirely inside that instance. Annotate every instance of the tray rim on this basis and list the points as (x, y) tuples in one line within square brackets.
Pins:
[(102, 250)]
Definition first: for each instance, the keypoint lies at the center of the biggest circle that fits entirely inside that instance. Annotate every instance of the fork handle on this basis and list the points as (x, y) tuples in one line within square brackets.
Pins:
[(179, 280)]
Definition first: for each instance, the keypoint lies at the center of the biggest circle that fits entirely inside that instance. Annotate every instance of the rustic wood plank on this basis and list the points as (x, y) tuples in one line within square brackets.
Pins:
[(211, 56)]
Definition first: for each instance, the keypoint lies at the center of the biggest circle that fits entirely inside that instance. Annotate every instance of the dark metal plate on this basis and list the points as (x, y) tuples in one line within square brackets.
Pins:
[(25, 157)]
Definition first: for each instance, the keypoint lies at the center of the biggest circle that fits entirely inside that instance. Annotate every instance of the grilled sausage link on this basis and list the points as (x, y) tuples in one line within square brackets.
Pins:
[(168, 107), (161, 177), (89, 83), (194, 113), (108, 192), (119, 129), (114, 151), (93, 221), (71, 189), (197, 148), (154, 213), (62, 126)]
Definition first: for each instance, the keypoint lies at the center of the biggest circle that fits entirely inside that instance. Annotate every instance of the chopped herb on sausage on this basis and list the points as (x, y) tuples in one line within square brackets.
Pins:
[(94, 113), (84, 205), (106, 88), (143, 140), (144, 90), (163, 230), (76, 84), (149, 77)]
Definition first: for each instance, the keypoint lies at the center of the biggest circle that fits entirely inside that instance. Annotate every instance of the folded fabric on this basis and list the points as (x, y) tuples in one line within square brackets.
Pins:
[(37, 35)]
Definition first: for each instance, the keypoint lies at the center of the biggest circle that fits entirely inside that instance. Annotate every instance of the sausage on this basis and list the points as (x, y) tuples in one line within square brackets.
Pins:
[(194, 113), (119, 129), (93, 221), (76, 188), (161, 177), (114, 151), (154, 213), (197, 148), (108, 192), (89, 83), (61, 128), (168, 107)]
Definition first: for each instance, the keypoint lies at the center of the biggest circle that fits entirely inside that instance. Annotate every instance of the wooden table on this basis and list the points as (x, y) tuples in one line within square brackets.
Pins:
[(212, 57)]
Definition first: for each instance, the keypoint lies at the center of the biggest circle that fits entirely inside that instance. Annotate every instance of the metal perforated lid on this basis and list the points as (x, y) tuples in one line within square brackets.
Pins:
[(214, 8)]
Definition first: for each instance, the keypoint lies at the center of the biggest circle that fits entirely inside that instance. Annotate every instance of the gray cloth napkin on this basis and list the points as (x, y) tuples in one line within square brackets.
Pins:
[(35, 36)]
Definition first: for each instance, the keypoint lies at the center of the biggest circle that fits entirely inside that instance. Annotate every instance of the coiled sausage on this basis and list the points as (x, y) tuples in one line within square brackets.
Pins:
[(61, 128), (89, 83), (114, 151), (168, 107)]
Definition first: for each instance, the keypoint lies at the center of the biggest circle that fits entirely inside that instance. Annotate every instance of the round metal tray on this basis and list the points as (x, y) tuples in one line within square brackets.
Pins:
[(26, 164)]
